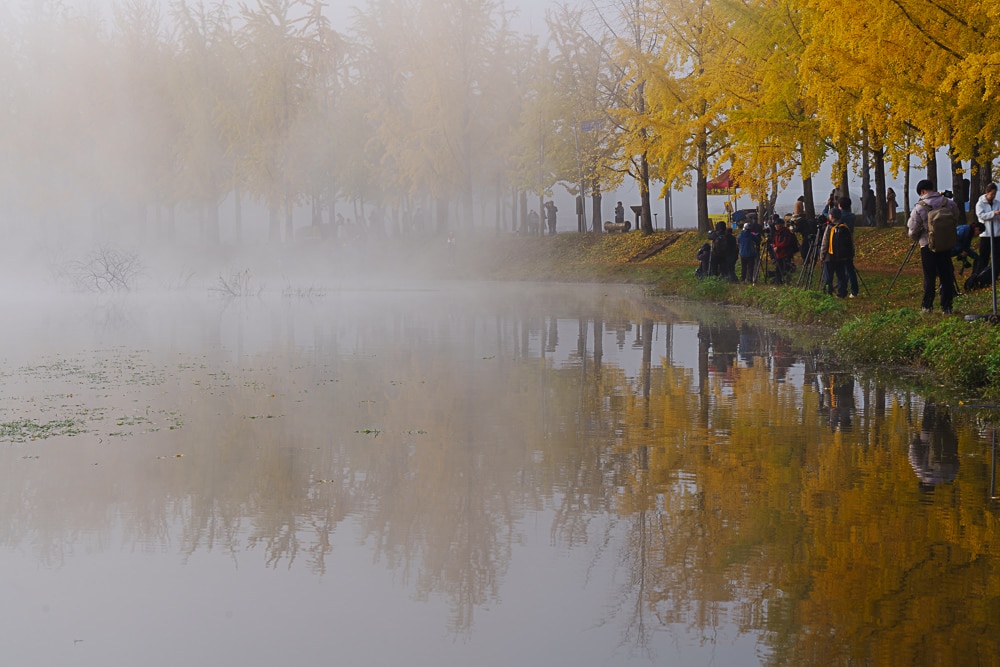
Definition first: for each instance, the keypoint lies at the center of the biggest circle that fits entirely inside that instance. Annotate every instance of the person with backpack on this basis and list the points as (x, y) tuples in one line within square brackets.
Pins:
[(932, 225), (837, 250), (849, 219)]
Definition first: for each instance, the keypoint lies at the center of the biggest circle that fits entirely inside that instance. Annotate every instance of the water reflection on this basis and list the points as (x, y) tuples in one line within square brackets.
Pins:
[(713, 493), (934, 448)]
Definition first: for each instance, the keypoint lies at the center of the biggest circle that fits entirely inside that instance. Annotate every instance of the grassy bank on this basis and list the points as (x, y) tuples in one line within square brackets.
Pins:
[(883, 326)]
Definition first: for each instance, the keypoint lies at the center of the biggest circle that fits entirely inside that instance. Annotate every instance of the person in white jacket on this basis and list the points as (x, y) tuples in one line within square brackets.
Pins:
[(988, 213)]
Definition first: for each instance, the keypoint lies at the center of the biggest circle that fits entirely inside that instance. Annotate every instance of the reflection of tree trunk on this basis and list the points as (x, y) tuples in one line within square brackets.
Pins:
[(703, 397), (879, 400), (524, 338), (289, 216), (668, 342), (647, 357), (598, 346), (647, 367)]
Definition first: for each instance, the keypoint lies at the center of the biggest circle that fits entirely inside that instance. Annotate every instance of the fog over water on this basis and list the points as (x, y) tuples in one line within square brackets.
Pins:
[(183, 132)]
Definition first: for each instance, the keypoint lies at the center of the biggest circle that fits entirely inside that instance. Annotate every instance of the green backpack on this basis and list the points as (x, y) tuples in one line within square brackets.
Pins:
[(941, 227)]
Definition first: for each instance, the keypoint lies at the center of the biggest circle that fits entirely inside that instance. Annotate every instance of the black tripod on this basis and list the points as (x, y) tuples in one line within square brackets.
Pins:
[(909, 254), (809, 264)]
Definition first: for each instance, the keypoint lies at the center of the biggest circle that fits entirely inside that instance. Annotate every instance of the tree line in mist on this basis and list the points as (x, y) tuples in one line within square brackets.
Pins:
[(438, 114)]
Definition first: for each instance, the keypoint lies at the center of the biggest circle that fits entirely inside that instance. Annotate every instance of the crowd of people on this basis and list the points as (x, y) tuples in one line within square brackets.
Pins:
[(767, 250)]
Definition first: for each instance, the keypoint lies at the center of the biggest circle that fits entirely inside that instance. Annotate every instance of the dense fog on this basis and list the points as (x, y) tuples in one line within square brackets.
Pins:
[(140, 127)]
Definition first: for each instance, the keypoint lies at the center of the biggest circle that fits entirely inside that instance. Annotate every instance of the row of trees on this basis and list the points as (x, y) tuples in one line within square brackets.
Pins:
[(444, 105)]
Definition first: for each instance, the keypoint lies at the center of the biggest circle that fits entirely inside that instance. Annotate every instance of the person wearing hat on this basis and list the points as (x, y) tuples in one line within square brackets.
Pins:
[(748, 244)]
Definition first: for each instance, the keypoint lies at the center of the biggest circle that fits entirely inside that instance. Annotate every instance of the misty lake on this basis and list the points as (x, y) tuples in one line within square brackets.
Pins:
[(489, 475)]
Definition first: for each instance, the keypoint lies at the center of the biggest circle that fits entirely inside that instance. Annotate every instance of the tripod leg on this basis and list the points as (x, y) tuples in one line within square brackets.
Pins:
[(906, 260)]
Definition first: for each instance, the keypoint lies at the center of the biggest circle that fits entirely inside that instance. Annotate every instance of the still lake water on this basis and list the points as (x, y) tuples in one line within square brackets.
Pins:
[(506, 475)]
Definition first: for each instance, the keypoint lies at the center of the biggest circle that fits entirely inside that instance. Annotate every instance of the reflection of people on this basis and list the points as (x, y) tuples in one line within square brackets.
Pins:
[(841, 395), (934, 449)]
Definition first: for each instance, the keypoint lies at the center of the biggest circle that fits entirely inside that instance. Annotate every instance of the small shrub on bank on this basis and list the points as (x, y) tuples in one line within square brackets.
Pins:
[(794, 304), (889, 337), (964, 353), (712, 288)]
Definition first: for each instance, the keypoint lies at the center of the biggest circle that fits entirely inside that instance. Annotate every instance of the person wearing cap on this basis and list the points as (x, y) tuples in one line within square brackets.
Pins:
[(748, 253)]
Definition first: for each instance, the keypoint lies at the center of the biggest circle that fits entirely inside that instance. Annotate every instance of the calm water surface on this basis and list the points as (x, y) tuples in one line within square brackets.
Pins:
[(507, 475)]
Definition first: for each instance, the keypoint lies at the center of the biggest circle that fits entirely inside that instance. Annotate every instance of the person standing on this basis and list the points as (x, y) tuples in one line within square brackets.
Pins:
[(619, 214), (838, 251), (748, 254), (550, 215), (936, 266), (868, 207), (848, 218), (890, 207), (800, 207), (781, 243), (988, 213)]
